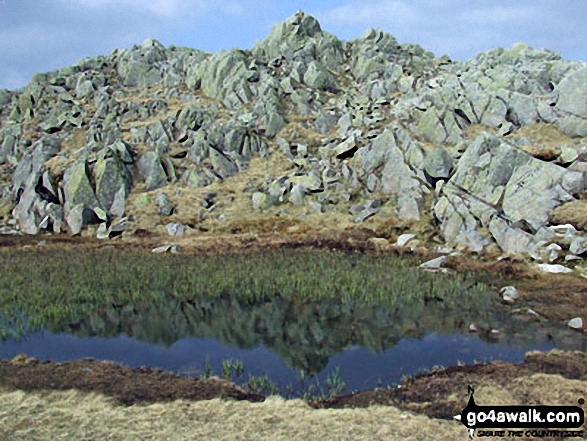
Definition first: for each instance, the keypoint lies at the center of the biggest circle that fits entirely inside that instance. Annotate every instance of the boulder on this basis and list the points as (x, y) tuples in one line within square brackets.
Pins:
[(112, 179), (222, 164), (506, 190), (77, 186), (318, 77), (396, 177), (260, 201), (438, 164), (403, 239), (578, 246), (78, 216), (224, 76), (576, 323), (164, 205), (152, 171), (572, 93), (554, 269), (297, 194), (434, 264), (175, 229), (509, 294)]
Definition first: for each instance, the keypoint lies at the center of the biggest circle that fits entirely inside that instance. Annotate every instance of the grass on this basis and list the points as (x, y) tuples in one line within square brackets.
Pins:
[(234, 371), (77, 415), (574, 213), (74, 415), (45, 286)]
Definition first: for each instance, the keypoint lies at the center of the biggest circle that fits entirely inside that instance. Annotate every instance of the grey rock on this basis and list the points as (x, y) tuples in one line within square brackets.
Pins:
[(225, 76), (118, 207), (567, 155), (102, 232), (318, 77), (164, 205), (576, 323), (162, 249), (221, 164), (457, 224), (260, 201), (152, 171), (434, 264), (325, 121), (175, 229), (572, 125), (578, 246), (566, 231), (76, 217), (509, 294), (77, 186), (310, 182), (403, 239), (572, 94), (501, 186), (346, 149), (510, 239), (55, 213), (118, 227), (111, 178), (195, 179), (551, 252), (297, 194), (366, 214), (100, 214), (315, 207), (554, 269), (438, 163)]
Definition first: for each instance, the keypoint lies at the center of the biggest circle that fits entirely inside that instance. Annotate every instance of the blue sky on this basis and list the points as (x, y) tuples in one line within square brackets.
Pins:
[(41, 35)]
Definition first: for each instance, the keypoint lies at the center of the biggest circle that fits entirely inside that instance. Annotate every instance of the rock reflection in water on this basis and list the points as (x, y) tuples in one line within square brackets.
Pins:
[(304, 335)]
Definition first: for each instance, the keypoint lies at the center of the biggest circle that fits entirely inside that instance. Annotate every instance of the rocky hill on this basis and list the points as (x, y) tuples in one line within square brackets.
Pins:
[(304, 129)]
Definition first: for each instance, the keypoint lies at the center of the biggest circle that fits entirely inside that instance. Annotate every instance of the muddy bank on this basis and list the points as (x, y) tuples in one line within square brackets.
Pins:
[(127, 385), (437, 394)]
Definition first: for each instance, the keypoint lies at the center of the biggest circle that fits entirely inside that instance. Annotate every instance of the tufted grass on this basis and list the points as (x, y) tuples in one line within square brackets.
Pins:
[(48, 286)]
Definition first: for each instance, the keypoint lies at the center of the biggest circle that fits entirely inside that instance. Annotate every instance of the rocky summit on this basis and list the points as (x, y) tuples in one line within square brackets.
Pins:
[(486, 156)]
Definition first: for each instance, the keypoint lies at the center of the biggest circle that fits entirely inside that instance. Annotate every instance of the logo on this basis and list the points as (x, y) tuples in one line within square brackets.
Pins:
[(534, 421)]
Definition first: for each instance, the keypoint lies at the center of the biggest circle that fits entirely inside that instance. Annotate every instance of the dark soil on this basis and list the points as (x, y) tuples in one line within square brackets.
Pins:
[(125, 384), (431, 393)]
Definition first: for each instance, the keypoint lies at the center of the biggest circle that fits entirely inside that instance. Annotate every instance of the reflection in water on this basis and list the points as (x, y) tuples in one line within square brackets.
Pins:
[(372, 344)]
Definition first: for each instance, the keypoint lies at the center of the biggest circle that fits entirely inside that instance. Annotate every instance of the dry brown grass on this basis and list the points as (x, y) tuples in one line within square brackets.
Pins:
[(232, 199), (546, 140), (475, 130), (76, 416), (57, 164), (574, 213)]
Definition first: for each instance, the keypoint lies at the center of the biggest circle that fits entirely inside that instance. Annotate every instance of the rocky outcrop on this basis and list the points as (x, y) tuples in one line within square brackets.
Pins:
[(509, 192), (365, 128)]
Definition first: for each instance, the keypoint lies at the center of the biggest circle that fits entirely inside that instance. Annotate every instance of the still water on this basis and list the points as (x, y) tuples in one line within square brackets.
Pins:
[(289, 340)]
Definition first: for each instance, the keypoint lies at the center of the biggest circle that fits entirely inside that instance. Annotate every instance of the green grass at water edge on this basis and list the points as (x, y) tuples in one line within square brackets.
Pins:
[(44, 286)]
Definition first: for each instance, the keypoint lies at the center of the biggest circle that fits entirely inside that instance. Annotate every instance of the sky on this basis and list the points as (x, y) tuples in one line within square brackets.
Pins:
[(43, 35)]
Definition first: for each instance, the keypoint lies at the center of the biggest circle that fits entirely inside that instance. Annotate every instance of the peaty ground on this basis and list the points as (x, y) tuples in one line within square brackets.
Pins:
[(421, 409)]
